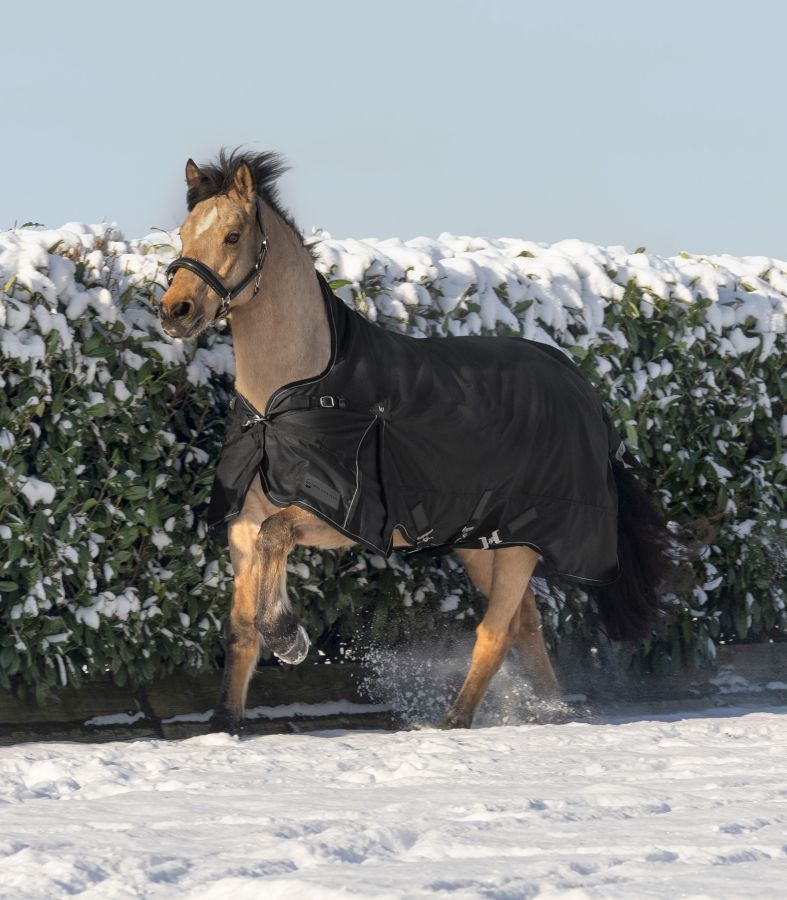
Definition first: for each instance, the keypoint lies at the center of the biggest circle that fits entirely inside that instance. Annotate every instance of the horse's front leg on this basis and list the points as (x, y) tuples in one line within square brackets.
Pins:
[(274, 619), (260, 607), (243, 639)]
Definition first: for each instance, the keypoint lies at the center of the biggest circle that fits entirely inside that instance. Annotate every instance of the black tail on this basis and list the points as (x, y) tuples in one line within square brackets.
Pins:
[(631, 606)]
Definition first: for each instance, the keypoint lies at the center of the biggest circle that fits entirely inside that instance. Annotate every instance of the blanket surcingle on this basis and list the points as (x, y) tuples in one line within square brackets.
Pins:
[(457, 442)]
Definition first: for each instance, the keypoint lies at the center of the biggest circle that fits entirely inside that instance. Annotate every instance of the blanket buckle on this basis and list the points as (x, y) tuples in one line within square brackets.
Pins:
[(425, 537)]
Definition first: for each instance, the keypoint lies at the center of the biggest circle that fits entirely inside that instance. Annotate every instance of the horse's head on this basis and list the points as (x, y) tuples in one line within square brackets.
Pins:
[(223, 251)]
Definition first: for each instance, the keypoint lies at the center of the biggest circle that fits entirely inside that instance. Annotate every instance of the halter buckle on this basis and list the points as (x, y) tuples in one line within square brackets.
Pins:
[(260, 260), (224, 307), (261, 254)]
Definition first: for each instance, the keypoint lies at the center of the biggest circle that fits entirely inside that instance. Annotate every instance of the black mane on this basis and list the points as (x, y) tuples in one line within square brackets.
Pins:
[(218, 176)]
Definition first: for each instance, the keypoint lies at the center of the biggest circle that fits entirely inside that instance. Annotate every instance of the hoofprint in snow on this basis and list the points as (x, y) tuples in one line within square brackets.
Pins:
[(662, 807)]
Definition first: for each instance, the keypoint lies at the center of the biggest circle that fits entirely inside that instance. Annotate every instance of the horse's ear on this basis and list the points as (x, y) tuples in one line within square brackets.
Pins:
[(244, 181), (193, 174)]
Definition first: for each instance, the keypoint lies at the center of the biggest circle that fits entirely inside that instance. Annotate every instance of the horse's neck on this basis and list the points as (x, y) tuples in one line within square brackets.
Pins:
[(282, 334)]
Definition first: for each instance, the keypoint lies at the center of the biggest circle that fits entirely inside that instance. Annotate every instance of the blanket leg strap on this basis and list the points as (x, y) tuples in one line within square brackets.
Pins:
[(421, 521), (478, 513)]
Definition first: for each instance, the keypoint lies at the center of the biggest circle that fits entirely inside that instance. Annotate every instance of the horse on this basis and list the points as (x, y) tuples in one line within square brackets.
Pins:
[(245, 259)]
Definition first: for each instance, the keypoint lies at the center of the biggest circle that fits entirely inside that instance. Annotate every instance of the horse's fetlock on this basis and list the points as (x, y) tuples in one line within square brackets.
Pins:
[(281, 636)]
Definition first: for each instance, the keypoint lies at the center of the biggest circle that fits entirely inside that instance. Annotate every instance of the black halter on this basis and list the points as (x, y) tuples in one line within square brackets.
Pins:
[(212, 279)]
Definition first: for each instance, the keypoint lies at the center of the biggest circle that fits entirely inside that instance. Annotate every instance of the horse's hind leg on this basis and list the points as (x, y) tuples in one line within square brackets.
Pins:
[(529, 637), (479, 565), (511, 573)]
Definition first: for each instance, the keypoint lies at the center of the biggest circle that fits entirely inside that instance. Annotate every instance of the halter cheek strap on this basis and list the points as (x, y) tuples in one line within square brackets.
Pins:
[(215, 283)]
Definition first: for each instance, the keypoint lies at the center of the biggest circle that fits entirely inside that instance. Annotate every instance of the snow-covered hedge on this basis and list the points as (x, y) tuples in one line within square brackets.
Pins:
[(108, 432)]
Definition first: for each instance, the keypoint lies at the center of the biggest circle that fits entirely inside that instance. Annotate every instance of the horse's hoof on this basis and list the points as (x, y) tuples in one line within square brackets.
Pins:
[(299, 649), (222, 723), (454, 720)]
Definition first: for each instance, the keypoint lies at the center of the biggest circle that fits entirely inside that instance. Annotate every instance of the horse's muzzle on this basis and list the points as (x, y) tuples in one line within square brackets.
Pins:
[(181, 320)]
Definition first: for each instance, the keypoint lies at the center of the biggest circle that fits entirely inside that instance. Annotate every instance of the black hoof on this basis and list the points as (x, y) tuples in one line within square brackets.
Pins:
[(297, 651), (221, 722), (454, 720)]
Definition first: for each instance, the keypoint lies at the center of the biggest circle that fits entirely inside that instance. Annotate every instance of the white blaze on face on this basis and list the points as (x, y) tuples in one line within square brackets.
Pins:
[(209, 218)]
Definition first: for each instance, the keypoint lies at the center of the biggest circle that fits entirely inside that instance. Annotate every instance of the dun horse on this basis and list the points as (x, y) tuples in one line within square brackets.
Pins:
[(342, 433)]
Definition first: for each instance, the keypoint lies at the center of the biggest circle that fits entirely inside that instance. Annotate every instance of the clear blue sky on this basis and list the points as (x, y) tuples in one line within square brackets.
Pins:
[(658, 124)]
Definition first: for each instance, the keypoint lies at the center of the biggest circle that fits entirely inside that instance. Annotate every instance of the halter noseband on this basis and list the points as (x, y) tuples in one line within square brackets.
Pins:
[(212, 279)]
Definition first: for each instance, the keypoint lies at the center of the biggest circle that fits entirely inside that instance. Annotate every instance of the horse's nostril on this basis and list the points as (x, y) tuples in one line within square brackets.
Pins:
[(181, 309)]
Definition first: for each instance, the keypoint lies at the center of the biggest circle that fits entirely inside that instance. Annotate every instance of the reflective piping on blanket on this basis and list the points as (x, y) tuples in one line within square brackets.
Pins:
[(351, 507)]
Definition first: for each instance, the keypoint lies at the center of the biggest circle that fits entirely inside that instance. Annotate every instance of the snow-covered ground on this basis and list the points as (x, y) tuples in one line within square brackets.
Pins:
[(672, 806)]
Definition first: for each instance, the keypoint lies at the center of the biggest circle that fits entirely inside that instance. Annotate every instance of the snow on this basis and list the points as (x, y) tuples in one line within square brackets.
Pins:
[(679, 805), (290, 710), (121, 391), (115, 719), (36, 491), (472, 284)]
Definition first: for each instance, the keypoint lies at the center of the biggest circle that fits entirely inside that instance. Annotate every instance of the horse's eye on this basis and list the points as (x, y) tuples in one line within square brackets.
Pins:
[(232, 238)]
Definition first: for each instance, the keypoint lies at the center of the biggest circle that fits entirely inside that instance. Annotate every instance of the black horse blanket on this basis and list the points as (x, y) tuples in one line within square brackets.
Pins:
[(457, 442)]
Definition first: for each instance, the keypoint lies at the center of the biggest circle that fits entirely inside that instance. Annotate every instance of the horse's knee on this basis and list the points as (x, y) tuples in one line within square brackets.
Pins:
[(275, 537)]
